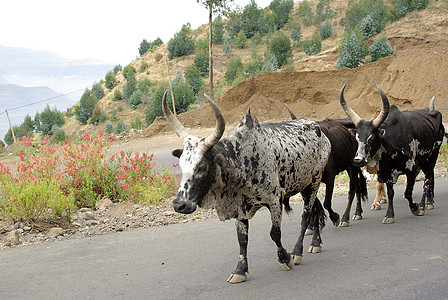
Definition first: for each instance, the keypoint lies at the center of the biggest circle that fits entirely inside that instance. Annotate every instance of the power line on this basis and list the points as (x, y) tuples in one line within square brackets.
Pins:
[(51, 98)]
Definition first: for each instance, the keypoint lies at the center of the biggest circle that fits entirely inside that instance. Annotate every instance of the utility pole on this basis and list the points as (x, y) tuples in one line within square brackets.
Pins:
[(10, 126)]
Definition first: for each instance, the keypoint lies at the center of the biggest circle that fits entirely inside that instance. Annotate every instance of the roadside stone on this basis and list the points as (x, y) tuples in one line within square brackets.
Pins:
[(54, 233), (91, 222), (12, 238), (103, 204)]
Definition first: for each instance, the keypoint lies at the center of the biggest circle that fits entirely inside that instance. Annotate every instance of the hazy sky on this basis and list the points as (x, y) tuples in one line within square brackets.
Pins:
[(107, 30)]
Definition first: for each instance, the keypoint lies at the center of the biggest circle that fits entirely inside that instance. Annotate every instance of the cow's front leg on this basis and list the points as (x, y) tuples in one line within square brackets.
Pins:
[(306, 218), (240, 273), (284, 258), (389, 218)]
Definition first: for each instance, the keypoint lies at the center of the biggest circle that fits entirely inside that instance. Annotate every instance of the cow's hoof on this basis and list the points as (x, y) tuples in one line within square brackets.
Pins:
[(421, 212), (357, 217), (336, 223), (236, 278), (387, 220), (288, 266), (309, 232), (429, 206), (417, 212), (383, 200), (344, 224), (298, 259), (376, 206), (314, 249)]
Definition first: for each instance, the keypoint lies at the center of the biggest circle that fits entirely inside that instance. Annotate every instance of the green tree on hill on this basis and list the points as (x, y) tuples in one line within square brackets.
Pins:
[(182, 43)]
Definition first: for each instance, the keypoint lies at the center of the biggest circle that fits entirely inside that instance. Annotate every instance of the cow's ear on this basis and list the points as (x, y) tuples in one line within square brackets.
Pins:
[(177, 152), (382, 132), (352, 131)]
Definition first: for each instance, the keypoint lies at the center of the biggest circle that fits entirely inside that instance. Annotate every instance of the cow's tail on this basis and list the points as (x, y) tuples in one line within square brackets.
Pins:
[(318, 213), (361, 188)]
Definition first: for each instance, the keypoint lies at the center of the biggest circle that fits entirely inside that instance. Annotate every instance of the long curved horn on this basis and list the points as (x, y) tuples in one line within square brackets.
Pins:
[(431, 103), (384, 111), (293, 116), (212, 139), (180, 130), (348, 110)]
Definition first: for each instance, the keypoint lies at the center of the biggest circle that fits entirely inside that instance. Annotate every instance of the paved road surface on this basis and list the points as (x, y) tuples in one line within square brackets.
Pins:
[(368, 260)]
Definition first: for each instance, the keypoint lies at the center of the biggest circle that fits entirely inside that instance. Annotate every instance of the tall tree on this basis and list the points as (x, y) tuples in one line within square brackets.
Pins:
[(217, 7)]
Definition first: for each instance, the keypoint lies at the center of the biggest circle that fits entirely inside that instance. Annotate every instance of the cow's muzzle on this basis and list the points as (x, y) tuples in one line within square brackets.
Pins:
[(359, 162), (182, 206)]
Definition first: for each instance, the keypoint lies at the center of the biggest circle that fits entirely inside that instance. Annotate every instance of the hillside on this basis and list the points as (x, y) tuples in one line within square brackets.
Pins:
[(417, 71)]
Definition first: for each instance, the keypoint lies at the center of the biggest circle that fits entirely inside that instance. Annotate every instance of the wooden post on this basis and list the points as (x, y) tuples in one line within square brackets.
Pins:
[(10, 126), (171, 88), (210, 49)]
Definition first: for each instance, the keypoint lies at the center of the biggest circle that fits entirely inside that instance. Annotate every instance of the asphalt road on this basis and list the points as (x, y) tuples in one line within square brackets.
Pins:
[(367, 260)]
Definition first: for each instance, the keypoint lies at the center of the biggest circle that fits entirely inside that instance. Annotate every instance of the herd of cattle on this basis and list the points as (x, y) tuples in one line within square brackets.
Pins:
[(263, 165)]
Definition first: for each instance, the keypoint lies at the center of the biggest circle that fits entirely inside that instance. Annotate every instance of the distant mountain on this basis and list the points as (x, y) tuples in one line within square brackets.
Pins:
[(19, 101), (31, 68)]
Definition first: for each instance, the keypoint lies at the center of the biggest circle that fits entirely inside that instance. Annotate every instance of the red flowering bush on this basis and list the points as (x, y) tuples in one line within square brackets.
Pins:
[(53, 178)]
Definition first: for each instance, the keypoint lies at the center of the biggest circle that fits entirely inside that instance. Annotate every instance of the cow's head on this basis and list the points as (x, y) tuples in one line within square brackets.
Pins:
[(367, 133), (195, 160)]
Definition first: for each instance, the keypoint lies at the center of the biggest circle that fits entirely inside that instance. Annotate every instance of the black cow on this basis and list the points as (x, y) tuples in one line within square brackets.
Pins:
[(257, 166), (399, 142), (343, 150)]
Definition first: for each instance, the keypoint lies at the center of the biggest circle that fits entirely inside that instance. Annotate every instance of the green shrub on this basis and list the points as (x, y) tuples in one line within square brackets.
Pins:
[(47, 119), (117, 69), (218, 31), (296, 35), (270, 65), (380, 48), (368, 26), (227, 47), (181, 44), (282, 8), (135, 99), (128, 71), (108, 127), (202, 45), (351, 50), (137, 124), (97, 90), (129, 87), (201, 61), (193, 78), (250, 17), (117, 95), (280, 46), (120, 127), (306, 13), (323, 12), (325, 30), (158, 57), (234, 68), (241, 40), (84, 110), (314, 45), (58, 136), (110, 81), (97, 116)]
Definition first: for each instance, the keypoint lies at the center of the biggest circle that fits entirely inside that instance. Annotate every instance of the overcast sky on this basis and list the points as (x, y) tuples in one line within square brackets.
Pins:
[(106, 30)]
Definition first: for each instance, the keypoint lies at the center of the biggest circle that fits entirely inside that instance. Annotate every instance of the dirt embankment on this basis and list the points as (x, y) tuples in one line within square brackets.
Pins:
[(418, 71)]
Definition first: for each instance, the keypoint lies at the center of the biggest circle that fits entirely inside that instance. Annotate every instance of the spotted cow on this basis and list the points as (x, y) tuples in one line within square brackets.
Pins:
[(399, 142), (259, 165)]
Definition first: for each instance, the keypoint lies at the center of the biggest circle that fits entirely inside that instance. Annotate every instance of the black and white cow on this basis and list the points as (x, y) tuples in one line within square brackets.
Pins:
[(399, 142), (343, 150), (256, 166)]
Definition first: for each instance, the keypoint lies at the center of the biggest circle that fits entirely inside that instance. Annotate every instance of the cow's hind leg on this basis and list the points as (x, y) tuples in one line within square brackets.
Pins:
[(334, 216), (428, 186), (284, 258), (415, 209), (240, 273), (319, 223)]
